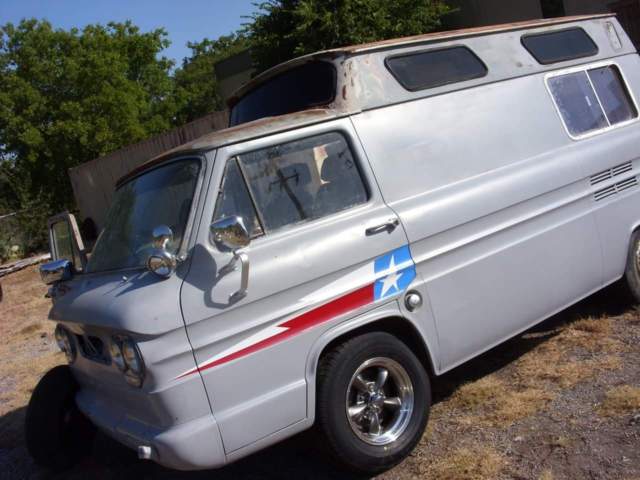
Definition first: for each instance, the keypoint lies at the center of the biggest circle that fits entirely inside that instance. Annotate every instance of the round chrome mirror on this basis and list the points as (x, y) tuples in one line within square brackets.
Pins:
[(229, 233), (162, 263), (162, 236)]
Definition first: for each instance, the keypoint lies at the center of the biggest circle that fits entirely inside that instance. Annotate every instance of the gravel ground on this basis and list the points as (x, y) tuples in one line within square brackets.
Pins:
[(561, 401)]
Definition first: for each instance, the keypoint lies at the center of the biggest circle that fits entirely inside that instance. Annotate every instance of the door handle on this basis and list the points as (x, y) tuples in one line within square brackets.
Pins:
[(388, 226)]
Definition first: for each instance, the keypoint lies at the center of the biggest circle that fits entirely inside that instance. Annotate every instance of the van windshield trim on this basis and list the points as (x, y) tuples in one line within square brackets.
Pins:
[(182, 248)]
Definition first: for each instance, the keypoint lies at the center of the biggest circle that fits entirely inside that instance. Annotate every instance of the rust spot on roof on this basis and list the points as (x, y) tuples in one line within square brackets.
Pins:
[(416, 39), (239, 133), (468, 32)]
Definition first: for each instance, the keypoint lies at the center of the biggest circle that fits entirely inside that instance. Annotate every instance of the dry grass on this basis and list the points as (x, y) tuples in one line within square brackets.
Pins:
[(600, 326), (27, 348), (32, 328), (539, 374), (591, 335), (477, 463), (620, 401), (546, 475), (491, 402), (552, 361)]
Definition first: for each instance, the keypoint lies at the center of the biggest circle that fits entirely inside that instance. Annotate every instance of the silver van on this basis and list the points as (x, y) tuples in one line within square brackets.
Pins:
[(375, 216)]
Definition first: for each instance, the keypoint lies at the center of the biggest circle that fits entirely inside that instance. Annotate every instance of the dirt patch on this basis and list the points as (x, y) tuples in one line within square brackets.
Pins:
[(558, 402), (467, 464)]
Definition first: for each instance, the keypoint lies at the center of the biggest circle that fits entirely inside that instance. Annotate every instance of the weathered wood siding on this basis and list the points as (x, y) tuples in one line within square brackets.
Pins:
[(93, 182)]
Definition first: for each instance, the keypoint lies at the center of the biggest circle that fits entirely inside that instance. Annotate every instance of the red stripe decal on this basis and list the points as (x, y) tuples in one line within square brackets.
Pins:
[(321, 314)]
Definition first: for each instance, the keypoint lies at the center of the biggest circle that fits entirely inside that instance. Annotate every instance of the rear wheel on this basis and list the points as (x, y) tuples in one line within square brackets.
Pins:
[(373, 402), (57, 434), (632, 271)]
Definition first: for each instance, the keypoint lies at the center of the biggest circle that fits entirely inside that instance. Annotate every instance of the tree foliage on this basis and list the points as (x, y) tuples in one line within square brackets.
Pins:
[(283, 29), (196, 84), (71, 96)]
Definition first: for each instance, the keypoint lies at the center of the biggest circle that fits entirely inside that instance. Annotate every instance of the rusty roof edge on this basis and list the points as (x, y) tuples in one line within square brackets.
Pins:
[(229, 136), (469, 32), (412, 40)]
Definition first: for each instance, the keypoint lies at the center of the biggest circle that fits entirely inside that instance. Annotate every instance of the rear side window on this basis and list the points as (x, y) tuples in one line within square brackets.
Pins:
[(434, 68), (592, 100), (616, 99), (303, 87), (560, 46)]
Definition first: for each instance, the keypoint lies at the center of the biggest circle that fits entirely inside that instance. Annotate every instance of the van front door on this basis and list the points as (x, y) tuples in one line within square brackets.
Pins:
[(324, 247)]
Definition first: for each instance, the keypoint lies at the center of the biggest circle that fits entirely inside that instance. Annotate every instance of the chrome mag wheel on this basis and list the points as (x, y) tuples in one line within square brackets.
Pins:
[(380, 401)]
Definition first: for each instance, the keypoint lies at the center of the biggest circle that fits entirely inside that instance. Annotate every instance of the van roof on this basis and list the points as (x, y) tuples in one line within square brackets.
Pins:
[(426, 38), (348, 102)]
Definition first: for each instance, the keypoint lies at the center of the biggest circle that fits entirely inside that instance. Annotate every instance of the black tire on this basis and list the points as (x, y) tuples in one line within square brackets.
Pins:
[(335, 374), (57, 434), (632, 271)]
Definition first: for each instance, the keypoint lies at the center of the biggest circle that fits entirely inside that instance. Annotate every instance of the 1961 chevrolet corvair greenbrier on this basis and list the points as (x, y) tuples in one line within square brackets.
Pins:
[(375, 216)]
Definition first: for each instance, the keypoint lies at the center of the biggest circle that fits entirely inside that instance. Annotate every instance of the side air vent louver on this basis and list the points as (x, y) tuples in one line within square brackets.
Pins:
[(612, 172), (620, 169), (626, 184), (616, 188)]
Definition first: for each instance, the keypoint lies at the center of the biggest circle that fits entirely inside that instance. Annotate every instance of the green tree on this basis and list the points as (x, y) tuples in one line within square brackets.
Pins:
[(70, 96), (283, 29), (196, 83)]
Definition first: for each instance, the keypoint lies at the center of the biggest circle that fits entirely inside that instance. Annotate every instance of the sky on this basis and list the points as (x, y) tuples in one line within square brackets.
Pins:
[(184, 20)]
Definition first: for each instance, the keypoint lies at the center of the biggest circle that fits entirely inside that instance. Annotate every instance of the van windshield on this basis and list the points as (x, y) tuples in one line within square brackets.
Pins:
[(162, 196), (300, 88)]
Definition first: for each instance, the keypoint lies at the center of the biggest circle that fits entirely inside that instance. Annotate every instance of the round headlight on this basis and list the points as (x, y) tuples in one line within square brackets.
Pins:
[(132, 357), (116, 355), (65, 343)]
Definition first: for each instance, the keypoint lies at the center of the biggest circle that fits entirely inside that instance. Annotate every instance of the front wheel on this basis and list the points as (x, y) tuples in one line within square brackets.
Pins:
[(373, 402), (57, 434)]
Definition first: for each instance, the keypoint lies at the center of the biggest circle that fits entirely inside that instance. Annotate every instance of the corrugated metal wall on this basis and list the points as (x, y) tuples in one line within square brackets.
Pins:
[(93, 182)]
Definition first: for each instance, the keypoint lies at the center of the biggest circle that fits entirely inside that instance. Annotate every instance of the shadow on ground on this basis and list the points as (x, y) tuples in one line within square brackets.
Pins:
[(296, 457)]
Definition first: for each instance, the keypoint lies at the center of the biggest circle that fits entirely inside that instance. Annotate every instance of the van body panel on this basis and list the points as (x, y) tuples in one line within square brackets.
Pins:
[(99, 306), (493, 216), (617, 215), (293, 271)]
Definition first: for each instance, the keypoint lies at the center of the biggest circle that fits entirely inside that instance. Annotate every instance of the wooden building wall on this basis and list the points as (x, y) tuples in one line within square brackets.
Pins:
[(93, 182)]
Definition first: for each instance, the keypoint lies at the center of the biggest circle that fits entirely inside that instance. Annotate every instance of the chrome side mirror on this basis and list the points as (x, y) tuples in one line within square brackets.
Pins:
[(161, 261), (162, 235), (56, 271), (229, 233)]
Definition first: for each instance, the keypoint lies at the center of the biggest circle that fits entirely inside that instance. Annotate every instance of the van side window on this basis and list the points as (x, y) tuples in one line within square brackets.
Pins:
[(434, 68), (303, 180), (560, 46), (616, 99), (592, 100), (234, 199)]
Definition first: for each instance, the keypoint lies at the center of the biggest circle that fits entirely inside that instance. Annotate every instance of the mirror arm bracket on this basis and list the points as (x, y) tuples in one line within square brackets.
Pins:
[(243, 258)]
